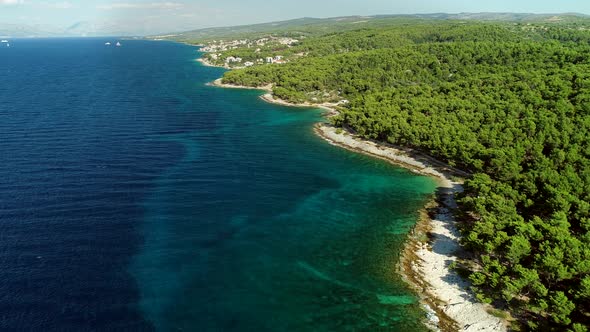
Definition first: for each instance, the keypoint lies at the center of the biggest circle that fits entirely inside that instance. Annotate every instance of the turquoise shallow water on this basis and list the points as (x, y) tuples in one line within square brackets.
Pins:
[(134, 197), (263, 226)]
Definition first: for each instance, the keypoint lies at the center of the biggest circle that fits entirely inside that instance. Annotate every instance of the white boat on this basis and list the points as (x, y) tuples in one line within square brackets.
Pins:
[(4, 41), (118, 44), (107, 44)]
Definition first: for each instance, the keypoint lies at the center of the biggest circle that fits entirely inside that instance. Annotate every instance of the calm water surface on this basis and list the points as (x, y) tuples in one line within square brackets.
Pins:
[(135, 198)]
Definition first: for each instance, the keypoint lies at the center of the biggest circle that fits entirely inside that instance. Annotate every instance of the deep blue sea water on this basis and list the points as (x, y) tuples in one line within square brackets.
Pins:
[(133, 197)]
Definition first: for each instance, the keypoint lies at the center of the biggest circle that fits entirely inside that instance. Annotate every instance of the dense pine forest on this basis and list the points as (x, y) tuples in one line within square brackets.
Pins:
[(508, 102)]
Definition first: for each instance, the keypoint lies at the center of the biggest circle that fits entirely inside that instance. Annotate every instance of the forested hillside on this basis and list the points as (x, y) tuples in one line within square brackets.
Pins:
[(510, 103), (309, 26)]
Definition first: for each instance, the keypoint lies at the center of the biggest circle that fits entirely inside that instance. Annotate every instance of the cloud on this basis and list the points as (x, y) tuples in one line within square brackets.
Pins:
[(10, 2), (152, 5)]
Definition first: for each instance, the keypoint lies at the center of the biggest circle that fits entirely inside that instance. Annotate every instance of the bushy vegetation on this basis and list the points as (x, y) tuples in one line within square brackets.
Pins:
[(508, 102)]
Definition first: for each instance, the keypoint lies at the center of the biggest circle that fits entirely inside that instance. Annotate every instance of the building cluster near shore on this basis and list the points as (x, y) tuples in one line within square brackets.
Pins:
[(223, 45), (218, 51)]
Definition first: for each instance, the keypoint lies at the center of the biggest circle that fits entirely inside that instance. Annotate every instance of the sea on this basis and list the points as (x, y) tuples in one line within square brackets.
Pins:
[(135, 197)]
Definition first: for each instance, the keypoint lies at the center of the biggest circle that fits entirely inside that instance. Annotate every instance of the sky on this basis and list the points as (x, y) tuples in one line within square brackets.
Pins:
[(152, 16)]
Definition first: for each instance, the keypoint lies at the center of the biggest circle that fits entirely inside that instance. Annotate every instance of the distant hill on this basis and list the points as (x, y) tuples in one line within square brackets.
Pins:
[(314, 26), (96, 29), (302, 26), (78, 29), (22, 31)]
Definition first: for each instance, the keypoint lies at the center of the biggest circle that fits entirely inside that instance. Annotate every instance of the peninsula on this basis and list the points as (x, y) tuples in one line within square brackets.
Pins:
[(503, 98)]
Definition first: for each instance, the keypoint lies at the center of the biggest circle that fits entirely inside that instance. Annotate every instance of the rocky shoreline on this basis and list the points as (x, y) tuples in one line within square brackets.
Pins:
[(433, 246)]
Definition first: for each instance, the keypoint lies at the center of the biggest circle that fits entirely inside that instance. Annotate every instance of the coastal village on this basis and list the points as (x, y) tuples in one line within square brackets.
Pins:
[(242, 53)]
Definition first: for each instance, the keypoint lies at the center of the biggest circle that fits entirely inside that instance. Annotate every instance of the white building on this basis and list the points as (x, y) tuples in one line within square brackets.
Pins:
[(231, 59), (288, 41)]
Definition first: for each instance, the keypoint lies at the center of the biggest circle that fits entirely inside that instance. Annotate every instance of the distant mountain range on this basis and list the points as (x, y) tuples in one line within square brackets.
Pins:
[(91, 29), (78, 29), (326, 25), (17, 30)]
